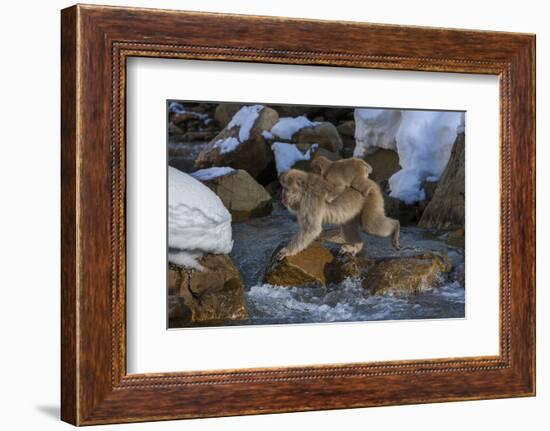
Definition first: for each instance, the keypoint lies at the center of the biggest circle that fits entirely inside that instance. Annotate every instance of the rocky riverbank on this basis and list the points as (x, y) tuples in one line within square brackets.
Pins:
[(238, 153)]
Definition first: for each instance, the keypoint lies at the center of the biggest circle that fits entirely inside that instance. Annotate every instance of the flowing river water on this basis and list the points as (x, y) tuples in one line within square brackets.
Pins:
[(347, 301)]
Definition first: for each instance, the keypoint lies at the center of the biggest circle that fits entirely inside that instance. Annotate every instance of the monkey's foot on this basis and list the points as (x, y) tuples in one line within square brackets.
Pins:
[(352, 249)]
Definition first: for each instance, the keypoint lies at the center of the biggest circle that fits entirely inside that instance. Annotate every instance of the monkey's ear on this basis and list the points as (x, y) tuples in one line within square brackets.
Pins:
[(315, 166), (369, 168)]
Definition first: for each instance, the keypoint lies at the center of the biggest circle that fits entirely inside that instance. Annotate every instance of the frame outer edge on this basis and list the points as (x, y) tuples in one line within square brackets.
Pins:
[(69, 196), (88, 397)]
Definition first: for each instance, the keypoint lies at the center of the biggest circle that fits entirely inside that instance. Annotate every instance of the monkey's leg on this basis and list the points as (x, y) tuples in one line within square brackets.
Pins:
[(362, 186), (396, 234), (380, 225), (352, 237), (310, 229)]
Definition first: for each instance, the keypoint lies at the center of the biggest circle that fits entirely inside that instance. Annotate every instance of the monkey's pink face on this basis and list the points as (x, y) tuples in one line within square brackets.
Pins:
[(292, 184)]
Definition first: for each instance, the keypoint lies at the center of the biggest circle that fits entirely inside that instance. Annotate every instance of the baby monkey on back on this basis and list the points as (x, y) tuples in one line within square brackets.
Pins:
[(344, 173), (354, 173)]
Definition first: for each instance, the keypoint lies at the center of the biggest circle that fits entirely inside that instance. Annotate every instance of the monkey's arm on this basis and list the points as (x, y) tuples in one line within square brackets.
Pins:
[(310, 228)]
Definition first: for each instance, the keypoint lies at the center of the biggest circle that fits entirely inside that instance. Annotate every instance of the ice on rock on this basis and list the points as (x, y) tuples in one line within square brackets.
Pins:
[(198, 222), (286, 155)]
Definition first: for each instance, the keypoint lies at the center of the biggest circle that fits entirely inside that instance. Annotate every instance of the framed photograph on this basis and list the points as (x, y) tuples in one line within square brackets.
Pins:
[(264, 214)]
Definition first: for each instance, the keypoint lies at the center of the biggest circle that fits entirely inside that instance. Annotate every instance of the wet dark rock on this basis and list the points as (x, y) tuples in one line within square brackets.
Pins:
[(456, 238), (347, 129), (214, 294), (406, 275), (315, 265), (308, 266), (407, 214), (446, 209)]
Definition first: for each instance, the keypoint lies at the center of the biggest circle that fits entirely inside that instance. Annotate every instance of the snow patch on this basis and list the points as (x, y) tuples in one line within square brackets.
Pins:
[(423, 141), (267, 134), (227, 145), (286, 127), (286, 155), (406, 185), (375, 128), (176, 108), (424, 144), (245, 119), (198, 222), (211, 173)]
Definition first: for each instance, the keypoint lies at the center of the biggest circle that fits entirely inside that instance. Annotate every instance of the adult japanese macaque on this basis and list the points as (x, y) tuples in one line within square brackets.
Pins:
[(305, 194), (344, 173)]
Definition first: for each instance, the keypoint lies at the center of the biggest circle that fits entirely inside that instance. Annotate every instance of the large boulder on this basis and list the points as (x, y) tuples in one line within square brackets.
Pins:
[(446, 208), (406, 275), (225, 112), (305, 267), (315, 265), (241, 195), (347, 128), (214, 294), (241, 144), (323, 134), (384, 164)]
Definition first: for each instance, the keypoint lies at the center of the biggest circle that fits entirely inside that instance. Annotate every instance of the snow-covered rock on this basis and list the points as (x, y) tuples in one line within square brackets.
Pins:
[(244, 119), (179, 110), (423, 140), (424, 143), (301, 130), (286, 127), (324, 134), (198, 222), (286, 155), (241, 144), (211, 173)]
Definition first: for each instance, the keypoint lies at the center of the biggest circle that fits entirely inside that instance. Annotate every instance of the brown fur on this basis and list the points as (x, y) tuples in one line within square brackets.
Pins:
[(305, 194), (344, 173)]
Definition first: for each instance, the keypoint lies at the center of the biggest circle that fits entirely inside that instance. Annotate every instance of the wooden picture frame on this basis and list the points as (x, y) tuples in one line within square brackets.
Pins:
[(95, 43)]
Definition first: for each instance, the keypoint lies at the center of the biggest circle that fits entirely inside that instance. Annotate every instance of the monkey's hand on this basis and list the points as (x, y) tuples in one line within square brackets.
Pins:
[(282, 253)]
